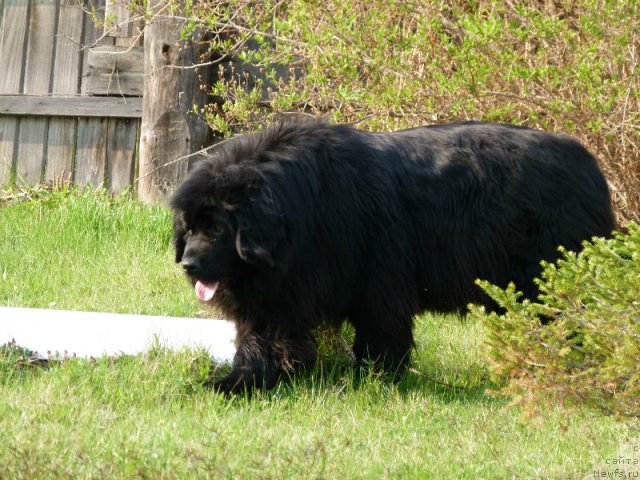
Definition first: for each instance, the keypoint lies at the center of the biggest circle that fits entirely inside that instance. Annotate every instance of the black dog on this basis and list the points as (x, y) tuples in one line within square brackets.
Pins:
[(306, 223)]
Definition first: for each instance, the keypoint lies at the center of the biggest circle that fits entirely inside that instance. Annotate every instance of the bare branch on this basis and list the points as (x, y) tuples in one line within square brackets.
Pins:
[(203, 151)]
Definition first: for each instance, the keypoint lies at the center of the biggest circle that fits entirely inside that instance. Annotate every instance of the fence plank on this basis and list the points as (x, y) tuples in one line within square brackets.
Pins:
[(91, 153), (39, 48), (70, 106), (7, 125), (39, 56), (66, 75), (121, 151), (115, 70), (61, 146), (13, 29), (8, 128), (12, 37), (30, 155), (61, 140)]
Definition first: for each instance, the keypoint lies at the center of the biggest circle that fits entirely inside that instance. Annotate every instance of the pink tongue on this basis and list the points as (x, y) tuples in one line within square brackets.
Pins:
[(205, 292)]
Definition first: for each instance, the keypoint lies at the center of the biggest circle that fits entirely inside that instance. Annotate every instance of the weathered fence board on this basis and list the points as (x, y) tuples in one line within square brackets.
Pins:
[(60, 148), (121, 150), (91, 154), (8, 127), (68, 53), (31, 150), (114, 70), (39, 58), (13, 37), (66, 81), (71, 96), (71, 106), (13, 29), (38, 62)]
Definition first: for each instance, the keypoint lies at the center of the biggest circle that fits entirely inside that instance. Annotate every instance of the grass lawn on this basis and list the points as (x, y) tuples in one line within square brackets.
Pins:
[(149, 416)]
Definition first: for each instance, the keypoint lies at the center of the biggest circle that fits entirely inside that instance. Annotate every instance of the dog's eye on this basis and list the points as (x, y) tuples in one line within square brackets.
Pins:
[(217, 229)]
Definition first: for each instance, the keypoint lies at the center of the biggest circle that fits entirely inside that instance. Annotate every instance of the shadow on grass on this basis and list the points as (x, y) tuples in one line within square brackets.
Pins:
[(337, 377), (457, 376), (473, 392)]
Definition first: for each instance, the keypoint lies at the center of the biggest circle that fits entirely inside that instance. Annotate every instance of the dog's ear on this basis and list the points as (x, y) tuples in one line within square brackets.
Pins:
[(179, 231), (260, 227)]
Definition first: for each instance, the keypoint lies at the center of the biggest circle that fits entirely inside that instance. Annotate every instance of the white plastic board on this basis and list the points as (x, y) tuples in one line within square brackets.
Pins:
[(54, 334)]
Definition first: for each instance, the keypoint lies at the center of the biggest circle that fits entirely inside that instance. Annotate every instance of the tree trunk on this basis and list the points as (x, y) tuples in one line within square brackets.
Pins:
[(168, 132)]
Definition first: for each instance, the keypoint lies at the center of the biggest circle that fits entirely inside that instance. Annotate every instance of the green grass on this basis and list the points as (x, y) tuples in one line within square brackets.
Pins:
[(94, 252), (150, 416)]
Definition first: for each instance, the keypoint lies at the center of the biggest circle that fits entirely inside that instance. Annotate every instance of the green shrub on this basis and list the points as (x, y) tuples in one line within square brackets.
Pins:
[(590, 353)]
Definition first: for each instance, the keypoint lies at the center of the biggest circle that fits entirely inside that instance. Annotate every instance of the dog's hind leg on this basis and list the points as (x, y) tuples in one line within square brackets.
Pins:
[(383, 342)]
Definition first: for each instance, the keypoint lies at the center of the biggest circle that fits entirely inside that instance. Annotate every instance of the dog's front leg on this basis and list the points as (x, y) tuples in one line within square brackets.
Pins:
[(261, 359)]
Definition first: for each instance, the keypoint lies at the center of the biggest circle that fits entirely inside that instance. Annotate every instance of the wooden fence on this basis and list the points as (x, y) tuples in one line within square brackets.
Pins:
[(70, 94)]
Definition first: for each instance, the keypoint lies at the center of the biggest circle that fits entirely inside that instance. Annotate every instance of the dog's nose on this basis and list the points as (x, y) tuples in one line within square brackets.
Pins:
[(190, 264)]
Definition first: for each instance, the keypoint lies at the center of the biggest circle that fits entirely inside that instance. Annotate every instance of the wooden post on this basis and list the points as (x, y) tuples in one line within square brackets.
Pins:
[(167, 131)]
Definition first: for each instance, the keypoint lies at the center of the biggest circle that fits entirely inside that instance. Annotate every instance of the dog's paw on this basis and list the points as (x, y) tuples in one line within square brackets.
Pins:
[(230, 384), (244, 382)]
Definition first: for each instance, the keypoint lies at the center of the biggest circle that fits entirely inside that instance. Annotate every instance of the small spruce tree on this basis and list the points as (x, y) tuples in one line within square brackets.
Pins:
[(590, 352)]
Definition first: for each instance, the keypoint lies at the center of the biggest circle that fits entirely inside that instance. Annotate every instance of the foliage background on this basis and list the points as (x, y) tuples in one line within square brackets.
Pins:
[(561, 65)]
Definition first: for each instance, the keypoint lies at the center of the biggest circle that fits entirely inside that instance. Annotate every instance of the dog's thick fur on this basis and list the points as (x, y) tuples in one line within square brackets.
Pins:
[(306, 223)]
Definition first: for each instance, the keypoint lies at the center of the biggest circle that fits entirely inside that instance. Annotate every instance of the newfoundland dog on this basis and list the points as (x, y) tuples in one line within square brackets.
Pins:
[(308, 223)]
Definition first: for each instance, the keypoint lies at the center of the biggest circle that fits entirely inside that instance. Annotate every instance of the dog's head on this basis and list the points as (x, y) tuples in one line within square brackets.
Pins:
[(225, 219)]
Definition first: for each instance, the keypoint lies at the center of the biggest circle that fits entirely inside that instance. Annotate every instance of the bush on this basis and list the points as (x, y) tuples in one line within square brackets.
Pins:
[(590, 352)]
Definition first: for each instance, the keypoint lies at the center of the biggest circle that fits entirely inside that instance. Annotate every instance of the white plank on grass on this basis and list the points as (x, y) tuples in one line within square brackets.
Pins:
[(59, 333)]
